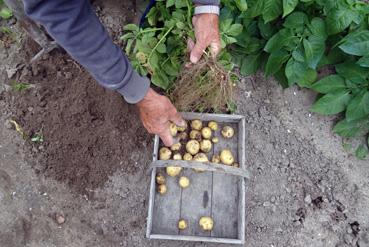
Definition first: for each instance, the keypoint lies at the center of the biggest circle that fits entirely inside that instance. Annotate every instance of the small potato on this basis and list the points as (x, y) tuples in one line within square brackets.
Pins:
[(235, 164), (206, 132), (173, 171), (205, 146), (177, 156), (196, 124), (162, 189), (193, 147), (195, 135), (201, 157), (160, 179), (182, 128), (184, 182), (173, 129), (183, 136), (213, 125), (176, 147), (206, 223), (227, 132), (182, 224), (226, 157), (187, 156), (215, 139), (215, 158), (165, 153)]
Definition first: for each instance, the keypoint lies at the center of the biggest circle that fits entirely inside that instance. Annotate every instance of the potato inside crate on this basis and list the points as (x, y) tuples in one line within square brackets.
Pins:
[(210, 193)]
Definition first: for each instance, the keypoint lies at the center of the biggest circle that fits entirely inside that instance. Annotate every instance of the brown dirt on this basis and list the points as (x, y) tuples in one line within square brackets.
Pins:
[(88, 131)]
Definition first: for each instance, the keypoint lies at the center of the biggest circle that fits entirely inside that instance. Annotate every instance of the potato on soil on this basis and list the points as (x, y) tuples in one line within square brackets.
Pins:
[(162, 189), (165, 153), (182, 224), (160, 179), (173, 170), (177, 156), (184, 182), (206, 223), (205, 146), (173, 129), (193, 147), (187, 156), (227, 132), (176, 147), (213, 125), (226, 157), (195, 135), (215, 158), (215, 139), (196, 124), (206, 132)]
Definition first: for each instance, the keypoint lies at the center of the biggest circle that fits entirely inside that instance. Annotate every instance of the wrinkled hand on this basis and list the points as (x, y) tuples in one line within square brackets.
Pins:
[(156, 113), (207, 34)]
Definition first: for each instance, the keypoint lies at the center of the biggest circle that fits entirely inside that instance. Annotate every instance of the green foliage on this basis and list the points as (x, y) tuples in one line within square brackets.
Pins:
[(37, 138), (5, 12), (20, 86)]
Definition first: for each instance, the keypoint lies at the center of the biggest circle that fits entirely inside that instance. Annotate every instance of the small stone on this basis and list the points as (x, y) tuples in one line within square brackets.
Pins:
[(297, 223), (68, 75), (266, 204), (60, 219), (8, 124), (348, 238), (30, 109), (272, 199), (308, 199)]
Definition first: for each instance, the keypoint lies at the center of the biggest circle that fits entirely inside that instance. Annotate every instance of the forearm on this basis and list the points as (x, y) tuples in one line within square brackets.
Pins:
[(75, 26)]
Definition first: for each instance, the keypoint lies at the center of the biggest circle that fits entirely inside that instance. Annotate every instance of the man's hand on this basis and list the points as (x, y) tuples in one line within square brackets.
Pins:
[(156, 113), (207, 34)]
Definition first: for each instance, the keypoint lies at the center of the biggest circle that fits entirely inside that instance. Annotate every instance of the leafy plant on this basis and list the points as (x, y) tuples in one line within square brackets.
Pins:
[(5, 12), (37, 138), (20, 86)]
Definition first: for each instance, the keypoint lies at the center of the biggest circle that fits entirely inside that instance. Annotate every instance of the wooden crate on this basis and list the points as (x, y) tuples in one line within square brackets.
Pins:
[(218, 192)]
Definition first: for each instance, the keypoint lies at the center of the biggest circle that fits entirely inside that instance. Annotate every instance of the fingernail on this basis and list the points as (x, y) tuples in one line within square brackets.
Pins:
[(193, 59)]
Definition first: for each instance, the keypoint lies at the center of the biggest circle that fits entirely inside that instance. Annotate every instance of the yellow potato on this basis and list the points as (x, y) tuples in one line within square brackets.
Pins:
[(213, 125), (205, 146), (162, 189), (193, 147), (201, 157), (177, 156), (187, 156), (206, 223), (173, 129), (182, 128), (182, 224), (196, 124), (195, 135), (227, 132), (165, 153), (160, 179), (215, 158), (176, 147), (184, 182), (173, 171), (206, 132), (226, 157), (215, 139)]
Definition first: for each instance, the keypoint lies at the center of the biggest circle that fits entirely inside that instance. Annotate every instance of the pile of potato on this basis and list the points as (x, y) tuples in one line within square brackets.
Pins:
[(194, 144)]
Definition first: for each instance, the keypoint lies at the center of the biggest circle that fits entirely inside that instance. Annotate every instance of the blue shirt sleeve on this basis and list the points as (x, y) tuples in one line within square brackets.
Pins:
[(75, 27)]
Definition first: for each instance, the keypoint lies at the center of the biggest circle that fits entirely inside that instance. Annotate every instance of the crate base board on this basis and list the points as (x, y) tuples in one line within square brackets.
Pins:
[(197, 239)]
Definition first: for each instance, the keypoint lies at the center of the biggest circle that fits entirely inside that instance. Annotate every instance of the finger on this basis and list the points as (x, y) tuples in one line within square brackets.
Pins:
[(177, 119), (166, 137), (197, 52), (215, 48), (190, 45)]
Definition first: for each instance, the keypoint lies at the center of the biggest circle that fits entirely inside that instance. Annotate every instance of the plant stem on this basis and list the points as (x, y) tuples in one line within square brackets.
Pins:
[(159, 42)]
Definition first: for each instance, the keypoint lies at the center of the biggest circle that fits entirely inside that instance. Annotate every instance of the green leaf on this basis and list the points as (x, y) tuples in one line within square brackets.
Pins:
[(266, 29), (280, 39), (338, 20), (241, 5), (129, 46), (352, 72), (317, 27), (154, 60), (354, 128), (361, 152), (160, 79), (300, 73), (161, 48), (127, 36), (275, 62), (225, 25), (358, 106), (170, 3), (250, 64), (314, 50), (332, 103), (5, 13), (131, 27), (356, 43), (234, 30), (272, 9), (329, 84), (289, 6), (296, 20), (257, 8), (281, 77), (363, 62)]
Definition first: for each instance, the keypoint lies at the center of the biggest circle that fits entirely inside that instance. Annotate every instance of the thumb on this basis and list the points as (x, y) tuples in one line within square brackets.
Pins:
[(177, 119), (197, 52)]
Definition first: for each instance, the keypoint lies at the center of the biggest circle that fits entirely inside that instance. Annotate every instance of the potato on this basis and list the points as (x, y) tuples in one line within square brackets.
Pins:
[(215, 139), (184, 182), (235, 164), (195, 135), (177, 156), (176, 147), (196, 124), (182, 128), (173, 129), (193, 147), (215, 158), (201, 157), (205, 146), (160, 179), (162, 189), (206, 223), (226, 157), (187, 156), (173, 170), (213, 125), (227, 132), (183, 136), (165, 153), (206, 132), (182, 224)]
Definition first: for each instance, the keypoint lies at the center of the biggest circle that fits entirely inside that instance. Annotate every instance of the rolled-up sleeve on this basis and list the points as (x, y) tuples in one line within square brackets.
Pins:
[(207, 2), (75, 27)]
